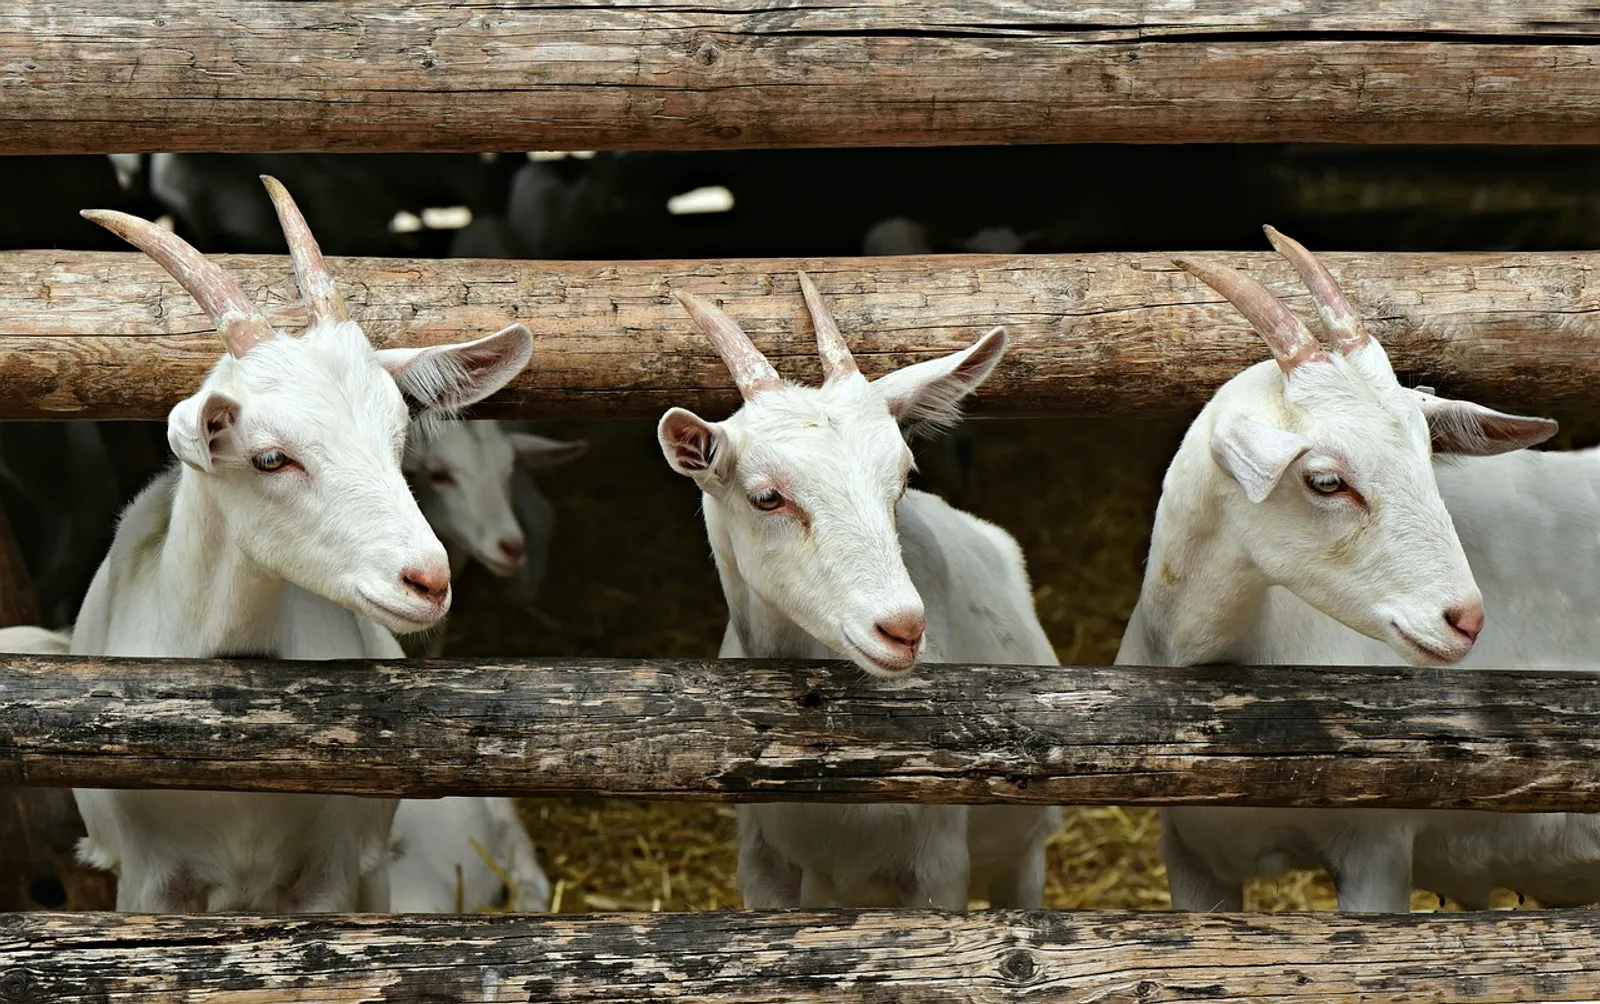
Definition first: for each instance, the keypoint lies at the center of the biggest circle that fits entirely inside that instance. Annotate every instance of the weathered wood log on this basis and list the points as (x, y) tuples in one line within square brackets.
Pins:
[(111, 336), (148, 75), (804, 958), (756, 730)]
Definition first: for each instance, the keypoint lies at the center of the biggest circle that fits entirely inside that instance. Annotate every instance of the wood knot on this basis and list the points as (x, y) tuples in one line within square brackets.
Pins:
[(1019, 966), (1145, 988), (811, 699), (728, 132), (428, 62), (17, 985), (707, 53)]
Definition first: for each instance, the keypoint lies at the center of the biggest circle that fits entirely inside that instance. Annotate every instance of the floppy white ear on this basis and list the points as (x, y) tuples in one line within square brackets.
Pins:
[(929, 394), (1471, 430), (539, 452), (693, 447), (447, 378), (198, 429), (1254, 453)]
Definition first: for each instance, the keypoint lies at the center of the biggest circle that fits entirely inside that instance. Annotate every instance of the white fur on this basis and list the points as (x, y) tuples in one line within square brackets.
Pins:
[(218, 558), (852, 549), (463, 474), (439, 870), (1249, 565), (474, 483), (1530, 526)]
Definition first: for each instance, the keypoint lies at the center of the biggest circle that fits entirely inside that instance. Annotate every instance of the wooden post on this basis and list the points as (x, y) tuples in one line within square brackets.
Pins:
[(106, 336), (264, 76), (795, 957), (759, 730)]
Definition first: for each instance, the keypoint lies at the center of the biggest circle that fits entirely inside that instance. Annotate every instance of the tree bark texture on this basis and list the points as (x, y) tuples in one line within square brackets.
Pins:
[(803, 958), (110, 336), (766, 730), (370, 75)]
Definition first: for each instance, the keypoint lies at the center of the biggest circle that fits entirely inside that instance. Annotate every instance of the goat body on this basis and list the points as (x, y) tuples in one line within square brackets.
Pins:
[(823, 552), (1530, 526)]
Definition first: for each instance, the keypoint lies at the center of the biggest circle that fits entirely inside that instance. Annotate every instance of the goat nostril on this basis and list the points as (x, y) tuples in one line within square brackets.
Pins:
[(513, 549), (1466, 620), (905, 630), (431, 584)]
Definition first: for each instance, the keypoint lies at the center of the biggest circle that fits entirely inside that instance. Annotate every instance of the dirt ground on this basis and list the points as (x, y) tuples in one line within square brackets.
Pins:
[(631, 575)]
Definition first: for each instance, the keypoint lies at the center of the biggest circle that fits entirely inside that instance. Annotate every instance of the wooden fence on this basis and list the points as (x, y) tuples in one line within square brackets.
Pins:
[(369, 75), (107, 336)]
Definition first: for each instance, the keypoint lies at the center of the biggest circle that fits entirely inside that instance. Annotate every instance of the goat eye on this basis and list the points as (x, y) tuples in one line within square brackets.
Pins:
[(1326, 484), (441, 477), (271, 460), (767, 500)]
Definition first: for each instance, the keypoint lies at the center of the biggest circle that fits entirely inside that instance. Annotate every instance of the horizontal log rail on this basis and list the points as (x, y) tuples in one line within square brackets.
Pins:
[(803, 958), (368, 75), (109, 336), (762, 731)]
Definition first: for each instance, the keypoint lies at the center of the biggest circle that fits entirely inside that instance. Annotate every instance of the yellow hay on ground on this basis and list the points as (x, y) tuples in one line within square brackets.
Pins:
[(631, 576)]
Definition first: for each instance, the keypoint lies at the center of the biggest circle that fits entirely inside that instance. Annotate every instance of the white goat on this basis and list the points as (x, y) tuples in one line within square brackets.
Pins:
[(287, 531), (1301, 522), (464, 476), (464, 855), (823, 552)]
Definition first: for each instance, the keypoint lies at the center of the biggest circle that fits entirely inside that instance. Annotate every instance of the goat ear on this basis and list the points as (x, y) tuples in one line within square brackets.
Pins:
[(928, 395), (1471, 430), (1253, 453), (539, 452), (693, 447), (198, 428), (447, 378)]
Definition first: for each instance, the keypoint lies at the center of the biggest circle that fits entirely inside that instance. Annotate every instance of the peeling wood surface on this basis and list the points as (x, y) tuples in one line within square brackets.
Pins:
[(265, 75), (760, 730), (805, 958), (86, 335)]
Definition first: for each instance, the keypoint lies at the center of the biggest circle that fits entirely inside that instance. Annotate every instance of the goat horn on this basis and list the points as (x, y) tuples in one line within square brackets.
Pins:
[(837, 363), (1337, 316), (750, 369), (235, 316), (310, 271), (1290, 342)]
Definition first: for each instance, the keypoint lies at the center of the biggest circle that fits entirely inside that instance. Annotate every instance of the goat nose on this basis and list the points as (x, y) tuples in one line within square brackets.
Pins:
[(902, 629), (1467, 619), (428, 582), (513, 549)]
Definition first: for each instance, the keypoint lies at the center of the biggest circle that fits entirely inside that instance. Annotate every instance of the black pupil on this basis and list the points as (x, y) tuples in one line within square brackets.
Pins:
[(769, 500), (1327, 483)]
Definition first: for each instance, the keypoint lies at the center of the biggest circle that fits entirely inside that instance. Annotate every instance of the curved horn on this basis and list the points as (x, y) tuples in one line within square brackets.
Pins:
[(310, 271), (236, 317), (1290, 342), (1337, 316), (837, 363), (750, 369)]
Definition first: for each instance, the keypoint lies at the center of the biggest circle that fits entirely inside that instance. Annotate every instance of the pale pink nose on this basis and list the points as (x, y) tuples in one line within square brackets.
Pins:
[(513, 549), (1468, 620), (431, 583), (902, 631)]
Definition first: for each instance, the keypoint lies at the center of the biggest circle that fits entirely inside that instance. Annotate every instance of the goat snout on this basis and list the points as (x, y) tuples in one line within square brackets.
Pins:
[(1467, 619), (427, 582), (513, 550), (902, 631)]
